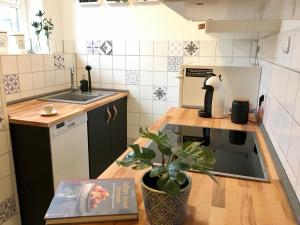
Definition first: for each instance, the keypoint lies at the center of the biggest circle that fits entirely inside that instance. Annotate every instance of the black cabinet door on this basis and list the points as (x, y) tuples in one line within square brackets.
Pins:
[(99, 140), (118, 127)]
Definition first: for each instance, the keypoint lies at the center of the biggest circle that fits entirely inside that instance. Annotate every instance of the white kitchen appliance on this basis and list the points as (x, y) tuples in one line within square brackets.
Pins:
[(69, 149), (238, 82), (215, 98)]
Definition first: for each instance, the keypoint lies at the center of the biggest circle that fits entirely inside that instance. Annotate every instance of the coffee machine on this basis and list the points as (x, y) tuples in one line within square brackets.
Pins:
[(214, 100)]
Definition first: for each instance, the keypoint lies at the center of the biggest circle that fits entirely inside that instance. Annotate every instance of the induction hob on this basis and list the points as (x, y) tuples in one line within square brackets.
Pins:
[(237, 153)]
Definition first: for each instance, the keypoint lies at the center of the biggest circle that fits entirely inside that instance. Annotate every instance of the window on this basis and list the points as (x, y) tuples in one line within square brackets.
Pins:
[(9, 15)]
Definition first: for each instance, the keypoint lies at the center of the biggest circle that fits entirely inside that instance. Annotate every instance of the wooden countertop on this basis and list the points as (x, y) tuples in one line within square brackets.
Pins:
[(233, 201), (28, 112)]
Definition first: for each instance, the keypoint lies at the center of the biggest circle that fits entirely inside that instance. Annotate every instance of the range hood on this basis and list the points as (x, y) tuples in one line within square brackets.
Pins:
[(241, 26), (202, 10)]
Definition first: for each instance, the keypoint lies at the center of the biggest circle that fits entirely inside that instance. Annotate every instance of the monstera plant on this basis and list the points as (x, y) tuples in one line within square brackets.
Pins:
[(167, 182)]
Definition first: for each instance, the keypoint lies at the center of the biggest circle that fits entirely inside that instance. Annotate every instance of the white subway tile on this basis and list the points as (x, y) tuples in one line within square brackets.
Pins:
[(173, 94), (132, 131), (95, 76), (161, 48), (146, 92), (60, 78), (291, 176), (133, 105), (293, 156), (134, 91), (132, 47), (291, 91), (49, 62), (81, 61), (4, 166), (93, 61), (38, 80), (133, 119), (146, 106), (208, 48), (7, 188), (118, 47), (146, 63), (50, 78), (119, 76), (297, 106), (146, 119), (132, 63), (160, 63), (224, 48), (146, 77), (106, 76), (26, 82), (3, 143), (24, 64), (9, 65), (119, 62), (69, 46), (146, 48), (159, 107), (37, 63), (160, 78), (242, 48)]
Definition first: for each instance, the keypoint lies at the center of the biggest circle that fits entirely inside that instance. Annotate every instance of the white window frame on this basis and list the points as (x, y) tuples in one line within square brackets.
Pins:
[(21, 6)]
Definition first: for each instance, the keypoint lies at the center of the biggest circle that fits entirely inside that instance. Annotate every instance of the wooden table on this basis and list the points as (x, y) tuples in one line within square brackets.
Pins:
[(233, 201)]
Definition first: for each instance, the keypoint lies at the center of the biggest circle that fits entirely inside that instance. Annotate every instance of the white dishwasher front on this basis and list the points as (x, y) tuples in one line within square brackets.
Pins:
[(69, 150)]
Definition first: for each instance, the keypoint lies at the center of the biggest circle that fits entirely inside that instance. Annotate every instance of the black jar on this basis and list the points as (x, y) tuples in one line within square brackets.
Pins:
[(240, 111)]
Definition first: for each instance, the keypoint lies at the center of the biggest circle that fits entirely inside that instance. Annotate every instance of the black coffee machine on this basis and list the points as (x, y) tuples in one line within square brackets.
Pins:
[(206, 112)]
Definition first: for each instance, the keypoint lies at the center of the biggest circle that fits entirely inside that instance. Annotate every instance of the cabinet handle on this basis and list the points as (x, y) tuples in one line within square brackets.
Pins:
[(116, 112), (109, 115)]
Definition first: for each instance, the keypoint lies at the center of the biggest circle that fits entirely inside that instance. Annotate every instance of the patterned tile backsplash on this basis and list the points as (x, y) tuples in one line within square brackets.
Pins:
[(11, 84), (8, 209), (148, 69)]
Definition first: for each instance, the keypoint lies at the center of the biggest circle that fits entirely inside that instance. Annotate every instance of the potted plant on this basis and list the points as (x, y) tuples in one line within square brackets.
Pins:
[(166, 187), (43, 24)]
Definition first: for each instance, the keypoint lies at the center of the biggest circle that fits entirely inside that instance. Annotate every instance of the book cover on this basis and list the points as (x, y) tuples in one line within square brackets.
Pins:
[(93, 200)]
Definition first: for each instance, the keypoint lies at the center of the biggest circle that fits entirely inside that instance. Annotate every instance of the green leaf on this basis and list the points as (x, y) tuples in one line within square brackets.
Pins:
[(179, 165), (171, 187), (126, 162), (148, 153), (136, 149), (180, 178), (165, 150), (162, 180), (141, 166), (157, 171)]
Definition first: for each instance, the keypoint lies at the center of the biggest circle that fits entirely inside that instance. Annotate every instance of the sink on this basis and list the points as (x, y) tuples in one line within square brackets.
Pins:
[(78, 97)]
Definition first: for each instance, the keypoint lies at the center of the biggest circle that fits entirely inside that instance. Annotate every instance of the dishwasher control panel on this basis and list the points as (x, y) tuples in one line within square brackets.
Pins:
[(65, 126)]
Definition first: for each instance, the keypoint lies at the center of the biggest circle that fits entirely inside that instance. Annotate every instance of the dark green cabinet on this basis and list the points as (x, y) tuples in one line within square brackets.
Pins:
[(107, 132)]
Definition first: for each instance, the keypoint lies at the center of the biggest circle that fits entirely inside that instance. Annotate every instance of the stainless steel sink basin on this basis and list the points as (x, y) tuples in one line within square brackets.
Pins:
[(78, 97)]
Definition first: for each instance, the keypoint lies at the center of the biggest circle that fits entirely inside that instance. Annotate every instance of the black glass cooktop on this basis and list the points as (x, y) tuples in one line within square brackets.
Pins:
[(237, 152)]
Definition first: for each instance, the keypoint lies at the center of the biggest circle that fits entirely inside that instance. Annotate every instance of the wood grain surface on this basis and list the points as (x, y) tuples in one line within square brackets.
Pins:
[(28, 112), (233, 201)]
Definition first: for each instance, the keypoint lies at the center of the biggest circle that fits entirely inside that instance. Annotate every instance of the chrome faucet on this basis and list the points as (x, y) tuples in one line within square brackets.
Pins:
[(73, 84)]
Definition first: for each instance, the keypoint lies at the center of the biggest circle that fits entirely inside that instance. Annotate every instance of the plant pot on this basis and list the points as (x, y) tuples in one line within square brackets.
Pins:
[(162, 208)]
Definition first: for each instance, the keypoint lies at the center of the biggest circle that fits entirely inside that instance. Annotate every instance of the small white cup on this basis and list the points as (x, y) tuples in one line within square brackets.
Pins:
[(48, 109)]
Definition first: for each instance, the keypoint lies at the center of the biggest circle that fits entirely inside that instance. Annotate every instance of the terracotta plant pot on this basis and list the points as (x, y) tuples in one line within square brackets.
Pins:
[(162, 208)]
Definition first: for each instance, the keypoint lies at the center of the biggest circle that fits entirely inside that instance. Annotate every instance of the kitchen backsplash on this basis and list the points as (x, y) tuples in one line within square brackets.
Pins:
[(280, 84), (148, 69), (9, 212), (30, 75)]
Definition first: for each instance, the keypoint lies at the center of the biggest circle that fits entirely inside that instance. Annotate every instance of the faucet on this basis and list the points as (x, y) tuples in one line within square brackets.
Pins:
[(89, 68), (73, 85)]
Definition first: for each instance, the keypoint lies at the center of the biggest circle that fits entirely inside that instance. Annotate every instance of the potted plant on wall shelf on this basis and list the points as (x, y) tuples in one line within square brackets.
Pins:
[(166, 187), (42, 24)]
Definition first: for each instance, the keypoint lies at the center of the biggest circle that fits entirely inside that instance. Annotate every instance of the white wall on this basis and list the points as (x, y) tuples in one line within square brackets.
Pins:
[(281, 85), (137, 22)]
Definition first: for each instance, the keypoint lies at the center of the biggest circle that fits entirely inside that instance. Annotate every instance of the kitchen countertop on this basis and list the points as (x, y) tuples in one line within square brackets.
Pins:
[(28, 112), (233, 201)]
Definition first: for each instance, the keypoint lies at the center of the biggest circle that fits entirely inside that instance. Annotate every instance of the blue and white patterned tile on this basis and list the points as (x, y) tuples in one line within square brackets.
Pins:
[(132, 77), (106, 47), (8, 209), (93, 47), (59, 61), (159, 93), (11, 84), (175, 48), (174, 63), (191, 48)]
